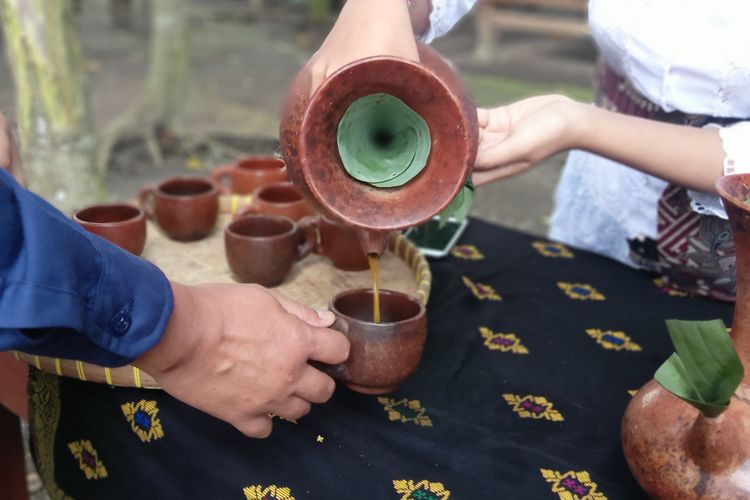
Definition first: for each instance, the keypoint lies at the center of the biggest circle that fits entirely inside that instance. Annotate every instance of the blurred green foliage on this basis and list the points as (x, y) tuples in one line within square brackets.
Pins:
[(491, 91)]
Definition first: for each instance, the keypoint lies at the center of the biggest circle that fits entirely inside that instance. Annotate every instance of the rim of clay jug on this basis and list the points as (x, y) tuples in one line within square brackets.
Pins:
[(453, 127), (733, 187)]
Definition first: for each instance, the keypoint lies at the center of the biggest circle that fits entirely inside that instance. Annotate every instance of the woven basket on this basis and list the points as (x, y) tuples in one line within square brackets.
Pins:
[(313, 281)]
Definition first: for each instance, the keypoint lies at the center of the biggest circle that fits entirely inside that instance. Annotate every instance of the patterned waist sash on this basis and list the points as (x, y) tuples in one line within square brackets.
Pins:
[(693, 252)]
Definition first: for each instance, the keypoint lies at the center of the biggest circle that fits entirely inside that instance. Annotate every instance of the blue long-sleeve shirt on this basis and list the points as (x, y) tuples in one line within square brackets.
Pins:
[(67, 293)]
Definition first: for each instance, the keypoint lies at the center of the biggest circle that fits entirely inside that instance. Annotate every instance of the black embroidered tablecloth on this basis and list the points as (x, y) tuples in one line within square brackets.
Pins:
[(533, 352)]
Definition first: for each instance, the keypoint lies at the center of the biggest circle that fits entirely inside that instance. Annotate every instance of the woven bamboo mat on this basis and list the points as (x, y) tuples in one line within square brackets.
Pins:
[(312, 281)]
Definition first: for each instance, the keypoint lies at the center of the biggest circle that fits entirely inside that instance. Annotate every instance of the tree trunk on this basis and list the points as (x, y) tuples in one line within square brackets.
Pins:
[(169, 69), (58, 143), (121, 12), (161, 105)]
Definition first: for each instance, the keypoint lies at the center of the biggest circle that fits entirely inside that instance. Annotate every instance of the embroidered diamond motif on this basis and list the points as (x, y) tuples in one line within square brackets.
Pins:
[(481, 291), (143, 419), (572, 485), (421, 490), (467, 252), (272, 492), (536, 407), (504, 342), (613, 340), (88, 459), (554, 250), (580, 291), (406, 410)]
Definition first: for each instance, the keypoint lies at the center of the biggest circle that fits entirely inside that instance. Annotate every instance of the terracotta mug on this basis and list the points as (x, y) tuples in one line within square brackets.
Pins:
[(248, 174), (120, 223), (282, 198), (382, 355), (263, 248), (339, 242), (186, 208)]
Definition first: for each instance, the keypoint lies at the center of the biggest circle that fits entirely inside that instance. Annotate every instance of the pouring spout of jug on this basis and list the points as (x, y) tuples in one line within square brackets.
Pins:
[(374, 242)]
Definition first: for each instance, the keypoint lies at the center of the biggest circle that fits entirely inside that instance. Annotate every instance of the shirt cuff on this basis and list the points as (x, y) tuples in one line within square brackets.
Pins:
[(444, 15), (735, 140), (132, 305)]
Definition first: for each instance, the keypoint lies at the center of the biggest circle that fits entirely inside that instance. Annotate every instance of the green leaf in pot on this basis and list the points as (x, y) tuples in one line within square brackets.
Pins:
[(382, 141), (705, 371), (460, 206)]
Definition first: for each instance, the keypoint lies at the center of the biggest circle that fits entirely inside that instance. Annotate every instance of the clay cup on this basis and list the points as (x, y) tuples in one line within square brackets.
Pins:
[(281, 198), (263, 248), (249, 174), (339, 242), (383, 355), (120, 223), (185, 208)]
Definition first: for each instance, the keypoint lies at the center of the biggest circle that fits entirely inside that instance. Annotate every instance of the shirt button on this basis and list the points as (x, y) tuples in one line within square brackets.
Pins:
[(120, 322)]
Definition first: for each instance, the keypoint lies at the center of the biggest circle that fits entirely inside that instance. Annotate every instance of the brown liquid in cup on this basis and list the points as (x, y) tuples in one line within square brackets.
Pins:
[(383, 355), (374, 261)]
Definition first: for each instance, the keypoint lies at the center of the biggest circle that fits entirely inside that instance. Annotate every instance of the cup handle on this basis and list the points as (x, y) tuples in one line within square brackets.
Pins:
[(146, 200), (219, 174), (336, 372), (309, 237), (310, 227)]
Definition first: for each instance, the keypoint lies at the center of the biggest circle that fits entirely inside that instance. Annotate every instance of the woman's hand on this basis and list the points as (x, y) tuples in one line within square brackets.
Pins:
[(515, 137), (10, 160)]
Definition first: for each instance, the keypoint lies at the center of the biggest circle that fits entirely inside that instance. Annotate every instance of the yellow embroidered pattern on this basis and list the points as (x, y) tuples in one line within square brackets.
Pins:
[(467, 252), (580, 291), (272, 492), (550, 249), (613, 340), (88, 459), (573, 485), (481, 291), (44, 417), (273, 415), (143, 419), (422, 490), (533, 407), (633, 392), (504, 342), (669, 289), (405, 411)]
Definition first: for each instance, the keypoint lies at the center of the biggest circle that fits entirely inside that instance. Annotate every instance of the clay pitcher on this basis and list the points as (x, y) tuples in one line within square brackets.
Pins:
[(308, 134), (672, 449)]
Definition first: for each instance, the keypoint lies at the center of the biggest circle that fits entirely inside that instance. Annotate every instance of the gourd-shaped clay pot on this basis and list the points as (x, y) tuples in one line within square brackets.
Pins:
[(673, 450), (433, 90)]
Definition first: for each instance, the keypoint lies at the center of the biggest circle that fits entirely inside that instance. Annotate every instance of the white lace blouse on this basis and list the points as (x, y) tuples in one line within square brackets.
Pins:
[(687, 55)]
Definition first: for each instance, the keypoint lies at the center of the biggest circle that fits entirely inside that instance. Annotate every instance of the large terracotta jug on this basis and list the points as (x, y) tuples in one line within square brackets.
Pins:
[(309, 146), (673, 450)]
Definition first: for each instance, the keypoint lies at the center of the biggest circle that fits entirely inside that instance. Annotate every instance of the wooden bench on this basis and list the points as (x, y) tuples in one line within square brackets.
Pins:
[(13, 408), (561, 18)]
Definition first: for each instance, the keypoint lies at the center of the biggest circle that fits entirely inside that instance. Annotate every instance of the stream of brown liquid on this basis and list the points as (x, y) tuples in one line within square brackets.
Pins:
[(374, 261)]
